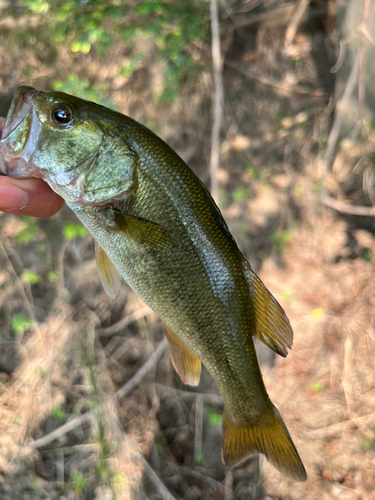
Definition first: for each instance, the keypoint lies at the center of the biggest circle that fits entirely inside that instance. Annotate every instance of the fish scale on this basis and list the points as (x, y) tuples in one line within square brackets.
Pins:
[(157, 226)]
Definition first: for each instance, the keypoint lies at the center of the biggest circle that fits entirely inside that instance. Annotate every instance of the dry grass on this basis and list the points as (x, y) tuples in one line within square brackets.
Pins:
[(163, 438)]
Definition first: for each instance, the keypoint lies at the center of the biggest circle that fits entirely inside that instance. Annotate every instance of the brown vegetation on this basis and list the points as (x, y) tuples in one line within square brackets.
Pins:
[(66, 348)]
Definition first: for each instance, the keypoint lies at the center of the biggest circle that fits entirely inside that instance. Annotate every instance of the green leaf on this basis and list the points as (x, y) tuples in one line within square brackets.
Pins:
[(38, 6), (317, 386), (19, 324), (79, 483), (58, 413), (214, 417), (53, 276), (366, 445), (240, 194), (43, 372), (27, 234), (73, 230), (30, 277)]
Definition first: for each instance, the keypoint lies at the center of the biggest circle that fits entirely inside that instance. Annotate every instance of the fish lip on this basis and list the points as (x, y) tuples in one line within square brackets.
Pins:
[(22, 106), (19, 108)]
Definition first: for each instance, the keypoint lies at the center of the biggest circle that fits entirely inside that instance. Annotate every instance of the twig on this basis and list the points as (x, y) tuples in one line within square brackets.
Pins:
[(26, 294), (142, 372), (61, 431), (345, 208), (275, 17), (215, 485), (341, 107), (191, 396), (129, 386), (339, 115), (335, 131), (342, 51), (348, 389), (296, 20), (198, 437), (21, 22), (134, 316), (339, 426), (162, 489), (217, 109), (362, 64), (280, 87)]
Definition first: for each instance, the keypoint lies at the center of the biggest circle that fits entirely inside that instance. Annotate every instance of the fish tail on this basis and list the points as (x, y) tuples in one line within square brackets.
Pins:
[(270, 437)]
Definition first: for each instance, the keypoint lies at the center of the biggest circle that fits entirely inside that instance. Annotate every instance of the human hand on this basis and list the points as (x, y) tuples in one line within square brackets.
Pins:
[(31, 197)]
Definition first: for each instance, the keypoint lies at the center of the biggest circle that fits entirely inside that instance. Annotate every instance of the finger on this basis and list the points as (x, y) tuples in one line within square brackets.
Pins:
[(2, 123), (31, 197)]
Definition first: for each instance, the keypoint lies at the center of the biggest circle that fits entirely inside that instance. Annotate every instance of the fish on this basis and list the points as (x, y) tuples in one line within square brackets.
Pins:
[(156, 225)]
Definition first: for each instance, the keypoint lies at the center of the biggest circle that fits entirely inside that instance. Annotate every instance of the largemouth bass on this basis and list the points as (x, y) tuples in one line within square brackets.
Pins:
[(156, 225)]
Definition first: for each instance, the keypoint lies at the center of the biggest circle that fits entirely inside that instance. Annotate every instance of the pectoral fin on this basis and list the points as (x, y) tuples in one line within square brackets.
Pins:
[(186, 364), (142, 231), (111, 278), (272, 326)]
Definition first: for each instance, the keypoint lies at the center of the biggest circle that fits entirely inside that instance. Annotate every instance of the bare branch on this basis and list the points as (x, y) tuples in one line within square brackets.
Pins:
[(336, 126), (342, 104), (120, 325), (280, 87), (199, 405), (296, 20), (142, 372), (217, 109), (345, 208), (61, 431), (154, 478), (86, 417), (276, 17), (190, 395), (339, 116), (362, 65)]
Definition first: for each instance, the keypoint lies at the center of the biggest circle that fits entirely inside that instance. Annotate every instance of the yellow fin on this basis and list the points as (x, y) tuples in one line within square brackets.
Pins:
[(141, 230), (270, 437), (186, 364), (111, 278), (272, 326)]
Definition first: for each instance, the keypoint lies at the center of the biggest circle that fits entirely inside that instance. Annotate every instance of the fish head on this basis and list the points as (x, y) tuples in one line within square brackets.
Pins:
[(63, 140)]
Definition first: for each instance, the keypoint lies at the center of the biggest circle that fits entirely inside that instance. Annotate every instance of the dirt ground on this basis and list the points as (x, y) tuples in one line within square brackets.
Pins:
[(90, 405)]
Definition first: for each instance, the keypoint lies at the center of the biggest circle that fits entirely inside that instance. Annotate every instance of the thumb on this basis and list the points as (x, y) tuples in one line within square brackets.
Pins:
[(31, 197)]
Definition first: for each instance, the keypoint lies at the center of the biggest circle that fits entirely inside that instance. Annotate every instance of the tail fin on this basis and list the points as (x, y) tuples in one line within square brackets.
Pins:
[(270, 438)]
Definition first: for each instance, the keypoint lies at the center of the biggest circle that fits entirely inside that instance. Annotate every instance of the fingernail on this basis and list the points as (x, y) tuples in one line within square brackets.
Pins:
[(12, 198)]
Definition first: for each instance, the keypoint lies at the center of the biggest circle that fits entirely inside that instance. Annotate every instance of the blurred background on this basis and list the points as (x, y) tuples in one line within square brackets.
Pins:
[(90, 406)]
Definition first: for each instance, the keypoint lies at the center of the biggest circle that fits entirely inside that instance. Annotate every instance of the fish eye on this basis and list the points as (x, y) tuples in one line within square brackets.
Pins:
[(61, 115)]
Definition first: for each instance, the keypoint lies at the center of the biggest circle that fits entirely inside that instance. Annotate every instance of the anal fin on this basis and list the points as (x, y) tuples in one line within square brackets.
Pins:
[(186, 364), (110, 277), (270, 437), (272, 326)]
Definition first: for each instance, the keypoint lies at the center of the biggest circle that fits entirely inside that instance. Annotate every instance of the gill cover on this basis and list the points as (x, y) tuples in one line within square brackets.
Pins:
[(51, 135)]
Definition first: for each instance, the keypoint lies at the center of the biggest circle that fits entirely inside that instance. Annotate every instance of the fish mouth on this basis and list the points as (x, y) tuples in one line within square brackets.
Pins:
[(20, 134)]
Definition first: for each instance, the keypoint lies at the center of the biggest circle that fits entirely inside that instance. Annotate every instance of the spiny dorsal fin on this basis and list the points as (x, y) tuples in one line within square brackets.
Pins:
[(141, 230), (272, 326), (268, 436), (186, 364), (111, 278)]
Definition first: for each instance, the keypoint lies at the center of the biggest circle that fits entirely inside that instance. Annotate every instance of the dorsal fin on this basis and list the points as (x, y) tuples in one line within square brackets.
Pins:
[(186, 364), (111, 278), (272, 326)]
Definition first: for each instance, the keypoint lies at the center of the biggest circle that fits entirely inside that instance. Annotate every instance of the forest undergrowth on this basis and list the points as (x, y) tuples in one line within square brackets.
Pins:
[(90, 405)]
